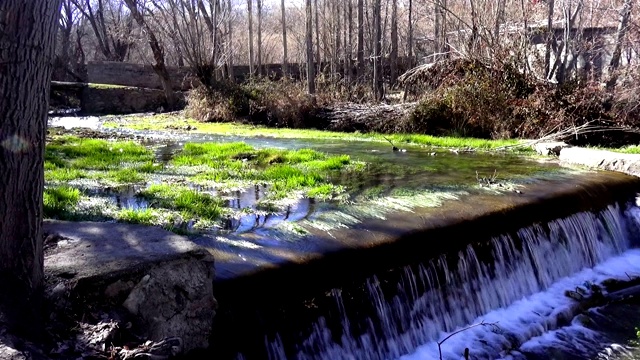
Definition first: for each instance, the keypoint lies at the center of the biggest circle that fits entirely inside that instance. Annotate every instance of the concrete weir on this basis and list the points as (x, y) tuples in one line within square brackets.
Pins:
[(259, 299), (325, 259)]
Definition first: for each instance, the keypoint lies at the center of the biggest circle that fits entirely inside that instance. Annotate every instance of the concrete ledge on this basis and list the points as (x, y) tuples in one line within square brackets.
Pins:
[(164, 281), (602, 159)]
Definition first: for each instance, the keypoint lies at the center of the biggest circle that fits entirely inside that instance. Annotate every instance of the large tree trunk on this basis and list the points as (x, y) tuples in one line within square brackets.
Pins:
[(311, 77), (158, 54), (285, 66), (27, 41)]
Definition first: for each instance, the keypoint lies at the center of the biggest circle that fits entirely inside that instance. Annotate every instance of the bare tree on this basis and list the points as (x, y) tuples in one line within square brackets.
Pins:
[(259, 4), (623, 25), (550, 39), (378, 85), (230, 52), (114, 46), (410, 34), (158, 53), (440, 28), (250, 20), (393, 56), (349, 52), (27, 44), (311, 81), (285, 70), (360, 55)]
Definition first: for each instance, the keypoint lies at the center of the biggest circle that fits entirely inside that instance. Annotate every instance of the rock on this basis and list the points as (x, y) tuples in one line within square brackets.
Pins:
[(176, 300), (162, 280), (550, 148), (13, 348)]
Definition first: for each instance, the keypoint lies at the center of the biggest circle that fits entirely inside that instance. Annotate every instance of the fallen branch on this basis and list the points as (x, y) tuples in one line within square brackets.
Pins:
[(482, 323), (557, 135)]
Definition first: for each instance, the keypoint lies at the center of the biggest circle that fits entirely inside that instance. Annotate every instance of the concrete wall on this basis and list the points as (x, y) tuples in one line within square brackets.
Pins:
[(121, 100), (136, 75), (143, 76)]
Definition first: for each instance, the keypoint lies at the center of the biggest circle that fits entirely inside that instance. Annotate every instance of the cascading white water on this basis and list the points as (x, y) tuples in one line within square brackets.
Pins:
[(521, 292)]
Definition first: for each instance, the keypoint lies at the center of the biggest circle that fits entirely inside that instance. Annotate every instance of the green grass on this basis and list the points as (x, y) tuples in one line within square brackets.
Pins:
[(632, 149), (165, 122), (190, 203), (138, 216), (286, 170), (56, 174), (125, 176), (59, 201), (69, 158), (95, 154)]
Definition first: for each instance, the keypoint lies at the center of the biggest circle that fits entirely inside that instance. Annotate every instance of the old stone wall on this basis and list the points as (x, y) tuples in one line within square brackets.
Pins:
[(121, 100), (135, 75)]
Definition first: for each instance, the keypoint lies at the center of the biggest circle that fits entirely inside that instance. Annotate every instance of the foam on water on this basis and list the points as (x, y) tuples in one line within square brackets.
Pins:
[(519, 294)]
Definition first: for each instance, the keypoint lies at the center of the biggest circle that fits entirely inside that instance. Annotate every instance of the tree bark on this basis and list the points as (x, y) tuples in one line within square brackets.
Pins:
[(158, 54), (285, 66), (27, 44), (311, 83)]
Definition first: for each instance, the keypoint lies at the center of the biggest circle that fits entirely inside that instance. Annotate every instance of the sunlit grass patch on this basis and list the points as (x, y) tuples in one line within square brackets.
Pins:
[(125, 176), (95, 154), (228, 128), (56, 174), (190, 203), (632, 149), (137, 216), (59, 201)]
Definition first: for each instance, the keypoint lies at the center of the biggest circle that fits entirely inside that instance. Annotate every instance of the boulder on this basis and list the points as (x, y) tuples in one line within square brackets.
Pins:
[(162, 281)]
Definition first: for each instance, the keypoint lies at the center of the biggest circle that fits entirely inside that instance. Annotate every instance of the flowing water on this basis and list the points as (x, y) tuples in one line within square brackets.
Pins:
[(503, 297), (510, 292)]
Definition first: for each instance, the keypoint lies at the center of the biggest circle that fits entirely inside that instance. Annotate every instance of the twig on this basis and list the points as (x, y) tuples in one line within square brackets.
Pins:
[(482, 323)]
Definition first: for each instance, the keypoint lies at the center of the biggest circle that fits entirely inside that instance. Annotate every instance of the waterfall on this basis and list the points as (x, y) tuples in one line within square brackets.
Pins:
[(514, 283)]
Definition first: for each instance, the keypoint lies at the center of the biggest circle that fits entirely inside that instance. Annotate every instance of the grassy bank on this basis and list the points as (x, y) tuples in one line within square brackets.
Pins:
[(193, 187), (179, 122)]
